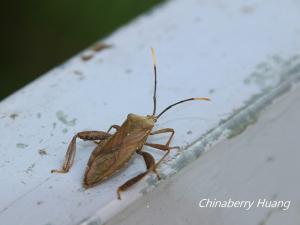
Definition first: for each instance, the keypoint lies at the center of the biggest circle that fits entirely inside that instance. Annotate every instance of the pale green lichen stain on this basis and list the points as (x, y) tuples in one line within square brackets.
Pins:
[(62, 117), (65, 130), (267, 76), (151, 181), (242, 125), (250, 113), (21, 145), (266, 73), (273, 71)]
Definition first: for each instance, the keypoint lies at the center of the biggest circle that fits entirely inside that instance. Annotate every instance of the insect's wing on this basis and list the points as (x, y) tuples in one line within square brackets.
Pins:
[(111, 156), (98, 170)]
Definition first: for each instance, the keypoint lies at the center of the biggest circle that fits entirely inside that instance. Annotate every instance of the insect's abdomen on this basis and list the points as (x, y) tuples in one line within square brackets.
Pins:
[(113, 154)]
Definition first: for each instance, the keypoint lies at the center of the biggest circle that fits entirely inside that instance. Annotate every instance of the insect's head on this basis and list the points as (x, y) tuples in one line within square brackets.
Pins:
[(152, 118), (155, 117), (146, 122)]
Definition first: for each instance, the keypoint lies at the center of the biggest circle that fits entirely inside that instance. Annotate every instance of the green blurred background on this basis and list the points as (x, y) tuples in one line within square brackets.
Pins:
[(38, 35)]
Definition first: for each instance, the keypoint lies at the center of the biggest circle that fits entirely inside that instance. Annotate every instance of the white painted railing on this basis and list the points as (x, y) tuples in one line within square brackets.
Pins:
[(241, 55)]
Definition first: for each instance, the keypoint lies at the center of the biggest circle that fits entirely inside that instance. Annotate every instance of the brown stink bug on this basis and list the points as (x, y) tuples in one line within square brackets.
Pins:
[(113, 151)]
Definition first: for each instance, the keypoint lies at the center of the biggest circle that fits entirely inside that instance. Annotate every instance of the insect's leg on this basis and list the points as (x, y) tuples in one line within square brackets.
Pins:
[(70, 154), (165, 130), (130, 182), (150, 162), (151, 166), (117, 127), (163, 148)]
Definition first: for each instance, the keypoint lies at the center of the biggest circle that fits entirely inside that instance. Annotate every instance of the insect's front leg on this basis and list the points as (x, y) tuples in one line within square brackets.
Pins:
[(164, 147), (70, 154), (165, 130)]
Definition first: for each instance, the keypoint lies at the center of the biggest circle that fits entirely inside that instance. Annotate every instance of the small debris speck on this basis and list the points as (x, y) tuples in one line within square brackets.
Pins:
[(247, 9), (189, 132), (13, 116), (29, 169), (39, 202), (128, 71), (43, 152), (79, 74), (100, 46), (211, 91), (86, 57), (270, 159)]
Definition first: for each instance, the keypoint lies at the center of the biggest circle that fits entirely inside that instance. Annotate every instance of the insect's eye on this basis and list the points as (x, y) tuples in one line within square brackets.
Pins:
[(151, 117), (130, 116)]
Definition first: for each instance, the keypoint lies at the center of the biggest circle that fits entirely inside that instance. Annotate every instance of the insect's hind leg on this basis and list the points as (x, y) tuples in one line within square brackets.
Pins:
[(150, 162), (151, 166), (130, 182), (70, 154)]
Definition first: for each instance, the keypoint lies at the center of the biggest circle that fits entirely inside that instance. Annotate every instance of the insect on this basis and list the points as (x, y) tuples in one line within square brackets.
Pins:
[(114, 150)]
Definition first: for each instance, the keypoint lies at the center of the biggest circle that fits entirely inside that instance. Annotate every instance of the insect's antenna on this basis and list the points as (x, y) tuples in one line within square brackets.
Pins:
[(189, 99), (155, 81)]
